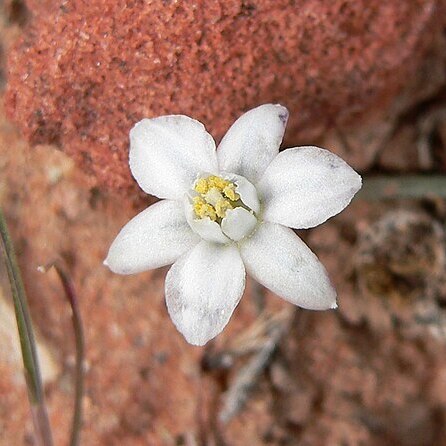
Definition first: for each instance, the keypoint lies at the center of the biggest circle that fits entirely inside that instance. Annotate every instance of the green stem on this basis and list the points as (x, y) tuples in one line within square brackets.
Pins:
[(400, 187), (27, 341)]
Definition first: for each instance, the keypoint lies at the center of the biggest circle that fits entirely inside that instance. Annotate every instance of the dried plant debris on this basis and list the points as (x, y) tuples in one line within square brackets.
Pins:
[(400, 266), (258, 344)]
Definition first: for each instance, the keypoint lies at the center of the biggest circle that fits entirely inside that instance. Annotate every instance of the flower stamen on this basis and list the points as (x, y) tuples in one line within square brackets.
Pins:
[(203, 209), (216, 196)]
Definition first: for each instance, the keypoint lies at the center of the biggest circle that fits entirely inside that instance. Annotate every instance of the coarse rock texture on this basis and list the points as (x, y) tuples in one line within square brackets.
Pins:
[(372, 373), (337, 377), (84, 72)]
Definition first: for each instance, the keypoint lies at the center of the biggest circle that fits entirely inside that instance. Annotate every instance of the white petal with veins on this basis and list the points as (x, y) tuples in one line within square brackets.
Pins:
[(253, 141), (202, 290), (304, 186), (167, 153), (238, 223), (278, 259), (155, 237)]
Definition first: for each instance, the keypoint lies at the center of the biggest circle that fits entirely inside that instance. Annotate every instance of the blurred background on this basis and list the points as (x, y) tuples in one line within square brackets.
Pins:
[(365, 79)]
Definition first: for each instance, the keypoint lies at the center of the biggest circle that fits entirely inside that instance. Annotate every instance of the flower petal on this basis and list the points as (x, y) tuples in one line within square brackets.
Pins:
[(167, 154), (278, 259), (245, 189), (238, 223), (304, 186), (253, 141), (155, 237), (202, 290)]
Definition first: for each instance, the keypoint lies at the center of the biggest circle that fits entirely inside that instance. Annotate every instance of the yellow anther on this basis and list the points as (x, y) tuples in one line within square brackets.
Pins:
[(202, 186), (221, 207), (217, 182), (229, 191), (198, 201), (203, 209), (216, 196)]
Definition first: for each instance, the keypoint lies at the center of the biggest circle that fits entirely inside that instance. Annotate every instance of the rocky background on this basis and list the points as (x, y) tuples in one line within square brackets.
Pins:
[(364, 79)]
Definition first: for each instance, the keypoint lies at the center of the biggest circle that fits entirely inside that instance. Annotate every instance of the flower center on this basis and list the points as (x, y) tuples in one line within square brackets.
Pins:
[(215, 196), (222, 208)]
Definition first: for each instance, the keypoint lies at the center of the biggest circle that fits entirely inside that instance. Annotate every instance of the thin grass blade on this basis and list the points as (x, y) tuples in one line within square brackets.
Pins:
[(27, 340)]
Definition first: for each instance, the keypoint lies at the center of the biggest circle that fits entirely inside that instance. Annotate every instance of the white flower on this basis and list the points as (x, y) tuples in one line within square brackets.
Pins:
[(229, 210)]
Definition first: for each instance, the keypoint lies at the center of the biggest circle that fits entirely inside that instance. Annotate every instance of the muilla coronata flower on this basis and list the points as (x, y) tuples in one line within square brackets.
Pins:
[(229, 211)]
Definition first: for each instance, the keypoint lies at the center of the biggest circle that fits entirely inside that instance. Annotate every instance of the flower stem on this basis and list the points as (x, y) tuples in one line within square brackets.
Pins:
[(80, 352), (383, 187), (70, 294), (27, 341)]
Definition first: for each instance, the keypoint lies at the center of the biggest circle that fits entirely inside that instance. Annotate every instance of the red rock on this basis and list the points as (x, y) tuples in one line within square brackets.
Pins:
[(84, 72), (144, 383)]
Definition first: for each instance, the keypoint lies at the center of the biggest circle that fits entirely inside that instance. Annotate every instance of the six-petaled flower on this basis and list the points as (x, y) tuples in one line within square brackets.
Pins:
[(229, 211)]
